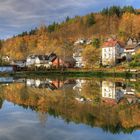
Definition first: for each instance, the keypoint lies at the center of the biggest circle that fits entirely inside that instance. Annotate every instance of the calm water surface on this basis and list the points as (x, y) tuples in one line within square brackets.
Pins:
[(69, 109)]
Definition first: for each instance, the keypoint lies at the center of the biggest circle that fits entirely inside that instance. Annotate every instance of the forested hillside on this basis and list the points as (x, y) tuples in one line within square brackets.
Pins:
[(122, 22)]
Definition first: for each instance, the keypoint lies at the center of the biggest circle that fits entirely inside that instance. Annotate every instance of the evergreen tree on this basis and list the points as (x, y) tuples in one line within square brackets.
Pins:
[(52, 27), (128, 9), (90, 20), (67, 18)]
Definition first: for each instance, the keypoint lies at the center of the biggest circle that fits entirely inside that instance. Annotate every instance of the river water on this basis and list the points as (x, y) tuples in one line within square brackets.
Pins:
[(69, 109)]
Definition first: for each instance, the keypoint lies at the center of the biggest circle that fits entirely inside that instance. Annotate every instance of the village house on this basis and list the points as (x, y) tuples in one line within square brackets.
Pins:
[(40, 60), (112, 52), (132, 46), (66, 62), (80, 42), (19, 63), (83, 42), (77, 55), (5, 58), (79, 60)]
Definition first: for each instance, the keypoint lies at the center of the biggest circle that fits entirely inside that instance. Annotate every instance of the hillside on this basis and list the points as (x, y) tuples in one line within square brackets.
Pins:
[(122, 22)]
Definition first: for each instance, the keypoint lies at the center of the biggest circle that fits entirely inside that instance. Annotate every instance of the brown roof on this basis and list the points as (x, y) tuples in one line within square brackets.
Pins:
[(129, 47)]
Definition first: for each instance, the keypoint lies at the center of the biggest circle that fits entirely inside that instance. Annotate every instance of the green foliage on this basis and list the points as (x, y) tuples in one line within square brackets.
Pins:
[(117, 10), (23, 34), (33, 31), (1, 44), (52, 27), (90, 20), (96, 43), (136, 61), (128, 9)]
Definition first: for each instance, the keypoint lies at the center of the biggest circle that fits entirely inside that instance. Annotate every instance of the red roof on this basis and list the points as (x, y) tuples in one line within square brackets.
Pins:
[(111, 43), (110, 101)]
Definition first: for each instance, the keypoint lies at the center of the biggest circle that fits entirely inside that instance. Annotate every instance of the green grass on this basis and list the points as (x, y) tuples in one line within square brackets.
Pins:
[(68, 74)]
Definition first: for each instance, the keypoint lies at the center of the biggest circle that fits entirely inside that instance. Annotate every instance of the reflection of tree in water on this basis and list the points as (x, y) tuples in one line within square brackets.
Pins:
[(117, 129), (43, 118), (115, 119), (1, 102), (24, 95)]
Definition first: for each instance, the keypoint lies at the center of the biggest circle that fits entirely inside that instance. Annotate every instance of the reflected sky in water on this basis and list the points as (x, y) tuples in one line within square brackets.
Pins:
[(16, 122)]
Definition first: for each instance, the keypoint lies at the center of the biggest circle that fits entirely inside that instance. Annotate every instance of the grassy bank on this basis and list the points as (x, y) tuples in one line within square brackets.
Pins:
[(68, 74)]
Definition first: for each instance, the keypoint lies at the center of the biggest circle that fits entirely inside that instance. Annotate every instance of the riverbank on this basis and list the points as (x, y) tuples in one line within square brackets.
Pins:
[(69, 73)]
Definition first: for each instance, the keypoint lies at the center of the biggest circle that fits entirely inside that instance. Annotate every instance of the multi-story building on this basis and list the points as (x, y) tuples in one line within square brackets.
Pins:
[(111, 52)]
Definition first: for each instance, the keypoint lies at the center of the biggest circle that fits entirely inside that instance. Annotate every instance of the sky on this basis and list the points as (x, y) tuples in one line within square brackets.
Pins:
[(17, 16)]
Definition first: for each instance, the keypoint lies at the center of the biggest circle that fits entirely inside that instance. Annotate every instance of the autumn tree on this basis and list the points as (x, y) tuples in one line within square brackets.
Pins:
[(91, 56), (23, 47), (127, 24)]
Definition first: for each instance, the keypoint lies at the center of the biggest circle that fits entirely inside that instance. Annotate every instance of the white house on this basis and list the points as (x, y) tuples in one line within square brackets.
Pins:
[(40, 60), (111, 52), (78, 58), (80, 42), (132, 46), (35, 59), (6, 58)]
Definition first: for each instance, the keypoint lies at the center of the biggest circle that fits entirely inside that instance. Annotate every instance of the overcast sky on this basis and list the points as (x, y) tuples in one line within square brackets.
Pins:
[(21, 15)]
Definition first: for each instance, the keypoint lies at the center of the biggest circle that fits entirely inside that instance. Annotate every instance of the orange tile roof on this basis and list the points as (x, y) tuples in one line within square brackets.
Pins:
[(112, 43)]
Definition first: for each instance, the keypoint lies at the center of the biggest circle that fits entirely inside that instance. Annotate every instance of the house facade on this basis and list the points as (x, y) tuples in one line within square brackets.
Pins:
[(67, 62), (77, 55), (132, 46), (40, 60), (111, 52), (79, 60)]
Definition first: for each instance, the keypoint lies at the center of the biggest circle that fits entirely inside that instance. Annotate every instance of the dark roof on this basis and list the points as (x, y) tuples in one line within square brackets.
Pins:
[(42, 57), (52, 57), (68, 59)]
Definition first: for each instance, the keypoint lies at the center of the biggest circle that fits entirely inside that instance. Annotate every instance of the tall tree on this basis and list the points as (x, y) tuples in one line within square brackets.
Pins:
[(90, 20)]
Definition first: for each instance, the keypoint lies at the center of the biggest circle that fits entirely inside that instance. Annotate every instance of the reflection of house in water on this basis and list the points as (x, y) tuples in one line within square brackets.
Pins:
[(37, 83), (50, 84), (79, 84), (110, 92), (78, 89), (113, 92)]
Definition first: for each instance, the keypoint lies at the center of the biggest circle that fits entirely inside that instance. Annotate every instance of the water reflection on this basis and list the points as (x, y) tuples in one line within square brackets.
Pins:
[(110, 104), (113, 92)]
